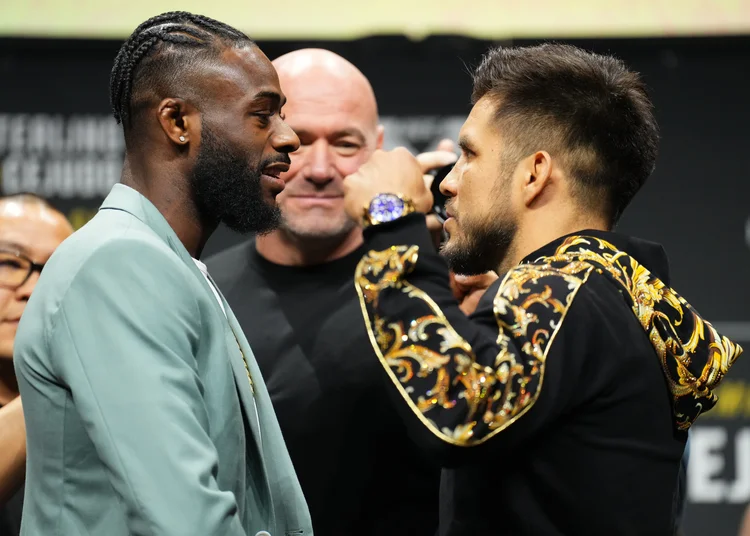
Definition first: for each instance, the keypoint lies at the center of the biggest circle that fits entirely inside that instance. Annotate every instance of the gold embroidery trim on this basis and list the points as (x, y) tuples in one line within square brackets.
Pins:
[(494, 395), (694, 357)]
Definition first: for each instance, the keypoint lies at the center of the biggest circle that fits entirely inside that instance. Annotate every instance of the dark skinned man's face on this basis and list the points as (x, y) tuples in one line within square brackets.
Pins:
[(244, 143)]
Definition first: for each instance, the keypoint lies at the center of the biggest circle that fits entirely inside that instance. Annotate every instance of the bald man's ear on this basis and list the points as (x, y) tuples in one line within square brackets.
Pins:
[(381, 136)]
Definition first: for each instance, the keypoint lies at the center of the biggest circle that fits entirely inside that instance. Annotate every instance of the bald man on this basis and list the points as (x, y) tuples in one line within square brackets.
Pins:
[(292, 291), (30, 230)]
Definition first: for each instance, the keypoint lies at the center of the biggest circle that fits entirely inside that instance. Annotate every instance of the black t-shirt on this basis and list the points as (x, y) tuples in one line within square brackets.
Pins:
[(359, 471)]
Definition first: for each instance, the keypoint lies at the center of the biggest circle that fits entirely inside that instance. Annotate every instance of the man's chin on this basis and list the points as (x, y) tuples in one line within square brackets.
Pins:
[(317, 227), (258, 222), (462, 260), (450, 246)]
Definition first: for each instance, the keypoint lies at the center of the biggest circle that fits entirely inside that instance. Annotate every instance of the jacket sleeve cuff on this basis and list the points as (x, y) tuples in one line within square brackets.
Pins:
[(409, 230)]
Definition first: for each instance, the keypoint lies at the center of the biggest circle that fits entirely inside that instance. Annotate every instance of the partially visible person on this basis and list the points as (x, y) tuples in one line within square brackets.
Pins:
[(292, 292), (469, 289), (745, 524), (145, 410), (12, 464), (561, 405), (30, 230)]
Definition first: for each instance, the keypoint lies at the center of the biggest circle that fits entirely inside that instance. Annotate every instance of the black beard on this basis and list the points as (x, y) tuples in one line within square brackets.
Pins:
[(226, 189), (480, 251)]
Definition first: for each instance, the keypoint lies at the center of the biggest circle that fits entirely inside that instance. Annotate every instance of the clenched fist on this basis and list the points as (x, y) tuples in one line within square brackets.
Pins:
[(394, 172), (468, 290)]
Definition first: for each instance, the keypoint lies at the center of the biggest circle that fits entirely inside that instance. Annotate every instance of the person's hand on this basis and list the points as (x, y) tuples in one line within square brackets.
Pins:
[(444, 154), (396, 172), (468, 289)]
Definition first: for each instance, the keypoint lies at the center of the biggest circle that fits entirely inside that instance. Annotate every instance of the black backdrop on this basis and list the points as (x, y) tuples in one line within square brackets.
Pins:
[(57, 138)]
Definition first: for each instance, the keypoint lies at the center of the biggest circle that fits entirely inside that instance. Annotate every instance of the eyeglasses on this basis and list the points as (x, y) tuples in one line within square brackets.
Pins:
[(15, 269)]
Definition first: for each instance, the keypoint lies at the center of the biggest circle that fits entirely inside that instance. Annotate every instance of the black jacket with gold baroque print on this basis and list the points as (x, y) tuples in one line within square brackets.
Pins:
[(560, 407)]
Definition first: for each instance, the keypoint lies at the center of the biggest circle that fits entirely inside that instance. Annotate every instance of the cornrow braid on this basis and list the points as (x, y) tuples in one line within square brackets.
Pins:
[(136, 50), (219, 28), (180, 30)]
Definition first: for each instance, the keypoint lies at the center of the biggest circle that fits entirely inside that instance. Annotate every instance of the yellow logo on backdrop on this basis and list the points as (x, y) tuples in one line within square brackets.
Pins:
[(734, 401), (332, 19)]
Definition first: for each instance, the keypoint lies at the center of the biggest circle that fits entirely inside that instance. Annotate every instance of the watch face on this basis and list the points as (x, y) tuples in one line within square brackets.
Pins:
[(386, 207)]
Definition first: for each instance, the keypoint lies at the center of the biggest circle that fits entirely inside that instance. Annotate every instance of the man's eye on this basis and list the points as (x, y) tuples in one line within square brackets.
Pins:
[(347, 147), (264, 119), (8, 264)]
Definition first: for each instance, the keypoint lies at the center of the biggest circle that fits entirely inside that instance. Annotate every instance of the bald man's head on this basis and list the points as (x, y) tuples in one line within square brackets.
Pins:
[(30, 231), (331, 106), (19, 209), (326, 77)]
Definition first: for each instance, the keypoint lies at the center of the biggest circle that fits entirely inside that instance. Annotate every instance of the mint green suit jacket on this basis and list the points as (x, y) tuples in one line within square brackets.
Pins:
[(141, 419)]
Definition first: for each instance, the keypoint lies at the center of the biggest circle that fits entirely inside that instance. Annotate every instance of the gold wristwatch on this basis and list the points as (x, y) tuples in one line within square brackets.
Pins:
[(386, 207)]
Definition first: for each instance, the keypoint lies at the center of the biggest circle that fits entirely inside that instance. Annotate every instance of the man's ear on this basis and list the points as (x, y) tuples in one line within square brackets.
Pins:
[(380, 137), (179, 121), (537, 173)]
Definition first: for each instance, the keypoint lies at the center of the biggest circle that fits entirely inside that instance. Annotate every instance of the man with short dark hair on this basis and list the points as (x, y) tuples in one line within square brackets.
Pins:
[(561, 406), (30, 230), (145, 409)]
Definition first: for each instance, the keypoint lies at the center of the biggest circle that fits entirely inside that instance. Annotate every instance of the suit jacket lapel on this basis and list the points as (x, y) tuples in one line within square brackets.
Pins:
[(244, 377), (250, 387)]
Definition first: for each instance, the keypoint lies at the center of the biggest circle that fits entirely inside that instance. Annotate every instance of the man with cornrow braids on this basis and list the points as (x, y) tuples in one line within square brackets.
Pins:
[(145, 410)]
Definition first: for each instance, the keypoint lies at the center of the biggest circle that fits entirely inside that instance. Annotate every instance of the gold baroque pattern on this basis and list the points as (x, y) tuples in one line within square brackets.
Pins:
[(460, 399), (464, 401), (693, 355)]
